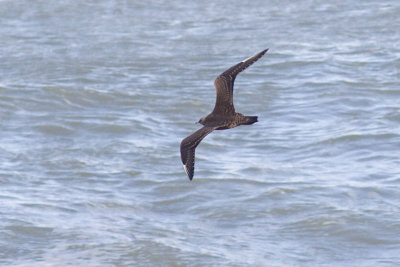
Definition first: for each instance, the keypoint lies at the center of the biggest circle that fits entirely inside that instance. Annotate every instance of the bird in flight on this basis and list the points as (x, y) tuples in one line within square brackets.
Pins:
[(222, 117)]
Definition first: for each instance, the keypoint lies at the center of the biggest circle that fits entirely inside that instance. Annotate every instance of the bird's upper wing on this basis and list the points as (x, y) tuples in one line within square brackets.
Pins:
[(224, 85), (188, 146)]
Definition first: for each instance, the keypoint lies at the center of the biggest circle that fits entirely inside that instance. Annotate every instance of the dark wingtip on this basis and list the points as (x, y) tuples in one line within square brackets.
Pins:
[(260, 54)]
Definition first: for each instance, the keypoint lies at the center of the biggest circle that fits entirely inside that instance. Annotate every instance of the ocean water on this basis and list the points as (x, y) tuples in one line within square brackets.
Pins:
[(96, 96)]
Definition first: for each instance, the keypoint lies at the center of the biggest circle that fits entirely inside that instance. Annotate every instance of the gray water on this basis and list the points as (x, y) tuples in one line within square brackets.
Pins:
[(96, 96)]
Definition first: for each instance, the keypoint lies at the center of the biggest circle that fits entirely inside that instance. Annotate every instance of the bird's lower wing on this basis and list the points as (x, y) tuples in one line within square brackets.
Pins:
[(188, 147)]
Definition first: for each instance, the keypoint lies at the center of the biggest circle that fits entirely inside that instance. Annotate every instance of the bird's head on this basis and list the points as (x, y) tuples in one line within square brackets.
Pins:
[(201, 121)]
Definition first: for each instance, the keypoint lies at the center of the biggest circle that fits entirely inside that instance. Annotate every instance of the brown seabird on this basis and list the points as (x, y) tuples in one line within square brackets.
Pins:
[(222, 117)]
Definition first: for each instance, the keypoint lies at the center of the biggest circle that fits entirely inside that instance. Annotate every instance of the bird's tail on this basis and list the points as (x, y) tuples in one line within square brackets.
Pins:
[(250, 120)]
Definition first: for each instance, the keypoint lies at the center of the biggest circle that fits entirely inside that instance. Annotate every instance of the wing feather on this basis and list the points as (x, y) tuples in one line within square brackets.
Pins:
[(188, 147), (224, 85)]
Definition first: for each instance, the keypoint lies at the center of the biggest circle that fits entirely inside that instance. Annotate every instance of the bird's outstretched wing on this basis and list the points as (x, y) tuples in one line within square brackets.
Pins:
[(224, 85), (188, 146)]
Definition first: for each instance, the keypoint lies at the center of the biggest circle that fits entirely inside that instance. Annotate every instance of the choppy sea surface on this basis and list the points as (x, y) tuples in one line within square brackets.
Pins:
[(96, 96)]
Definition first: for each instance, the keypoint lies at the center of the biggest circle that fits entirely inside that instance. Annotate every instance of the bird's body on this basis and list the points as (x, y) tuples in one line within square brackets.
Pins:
[(222, 117), (224, 122)]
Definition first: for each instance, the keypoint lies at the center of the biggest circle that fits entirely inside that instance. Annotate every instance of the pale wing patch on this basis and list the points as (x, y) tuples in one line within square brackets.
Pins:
[(186, 170), (255, 55), (246, 59)]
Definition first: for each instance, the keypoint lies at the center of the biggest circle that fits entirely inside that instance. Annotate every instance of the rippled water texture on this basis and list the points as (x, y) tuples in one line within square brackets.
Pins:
[(96, 96)]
